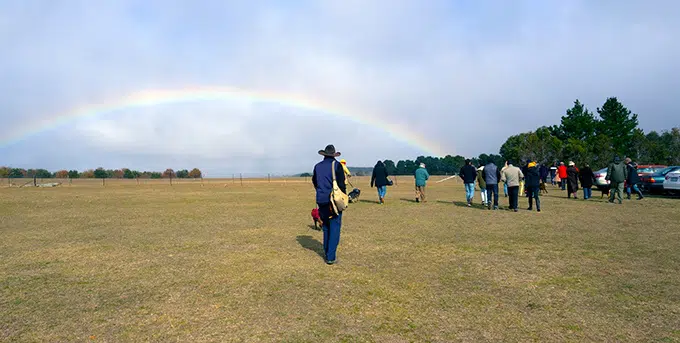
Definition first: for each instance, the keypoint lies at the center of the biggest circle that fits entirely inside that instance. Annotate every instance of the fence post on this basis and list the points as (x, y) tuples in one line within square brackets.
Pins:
[(103, 182), (269, 178), (170, 180), (240, 175), (70, 181)]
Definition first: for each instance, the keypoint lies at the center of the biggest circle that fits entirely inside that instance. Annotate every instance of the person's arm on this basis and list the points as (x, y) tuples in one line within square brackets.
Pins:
[(373, 178), (609, 173), (340, 178), (460, 173), (484, 173), (521, 175), (498, 174), (316, 185)]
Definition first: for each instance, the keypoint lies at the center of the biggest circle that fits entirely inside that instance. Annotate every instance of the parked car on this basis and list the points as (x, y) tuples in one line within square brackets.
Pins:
[(646, 169), (672, 182), (600, 181), (653, 183)]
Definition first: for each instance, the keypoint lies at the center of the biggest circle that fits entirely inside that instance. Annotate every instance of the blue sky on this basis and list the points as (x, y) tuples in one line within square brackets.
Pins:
[(465, 74)]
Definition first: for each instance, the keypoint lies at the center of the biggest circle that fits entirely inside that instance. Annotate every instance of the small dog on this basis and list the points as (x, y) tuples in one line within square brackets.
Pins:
[(542, 188), (605, 191), (354, 195), (318, 223)]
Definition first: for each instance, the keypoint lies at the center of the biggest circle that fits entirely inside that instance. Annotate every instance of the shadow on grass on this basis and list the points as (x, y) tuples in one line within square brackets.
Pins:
[(409, 200), (463, 204), (311, 243), (369, 201)]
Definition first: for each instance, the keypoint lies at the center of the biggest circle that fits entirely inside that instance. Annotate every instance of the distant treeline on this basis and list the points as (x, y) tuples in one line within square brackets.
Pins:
[(581, 137), (99, 173)]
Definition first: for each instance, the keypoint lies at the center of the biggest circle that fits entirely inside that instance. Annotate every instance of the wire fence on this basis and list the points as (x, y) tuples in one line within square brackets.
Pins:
[(240, 179)]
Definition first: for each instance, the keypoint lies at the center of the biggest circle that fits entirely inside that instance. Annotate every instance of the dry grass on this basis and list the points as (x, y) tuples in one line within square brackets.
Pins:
[(221, 262)]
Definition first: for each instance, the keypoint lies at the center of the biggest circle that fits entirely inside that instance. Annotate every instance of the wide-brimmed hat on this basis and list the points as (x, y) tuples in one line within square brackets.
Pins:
[(329, 151)]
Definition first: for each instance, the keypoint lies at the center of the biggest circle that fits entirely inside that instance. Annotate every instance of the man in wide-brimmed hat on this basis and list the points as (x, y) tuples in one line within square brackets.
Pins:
[(323, 183)]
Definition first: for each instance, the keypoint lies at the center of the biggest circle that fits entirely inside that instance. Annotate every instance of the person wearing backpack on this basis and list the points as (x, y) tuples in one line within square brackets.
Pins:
[(323, 184)]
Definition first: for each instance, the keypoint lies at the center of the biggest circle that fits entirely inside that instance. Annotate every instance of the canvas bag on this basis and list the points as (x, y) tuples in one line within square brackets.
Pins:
[(339, 200)]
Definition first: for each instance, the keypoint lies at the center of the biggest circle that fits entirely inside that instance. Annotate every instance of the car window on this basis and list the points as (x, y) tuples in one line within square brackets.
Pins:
[(646, 170), (668, 170)]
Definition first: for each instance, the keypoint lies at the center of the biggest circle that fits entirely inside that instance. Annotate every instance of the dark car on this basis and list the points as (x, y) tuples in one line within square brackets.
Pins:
[(653, 183)]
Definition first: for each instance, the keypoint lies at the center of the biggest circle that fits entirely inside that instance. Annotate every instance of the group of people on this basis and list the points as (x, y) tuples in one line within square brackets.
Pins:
[(527, 180)]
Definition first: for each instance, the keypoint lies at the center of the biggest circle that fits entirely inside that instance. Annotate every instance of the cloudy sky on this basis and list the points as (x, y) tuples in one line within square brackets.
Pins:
[(453, 77)]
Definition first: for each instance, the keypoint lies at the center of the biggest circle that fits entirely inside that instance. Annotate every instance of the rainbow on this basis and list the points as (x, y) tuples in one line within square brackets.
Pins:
[(150, 98)]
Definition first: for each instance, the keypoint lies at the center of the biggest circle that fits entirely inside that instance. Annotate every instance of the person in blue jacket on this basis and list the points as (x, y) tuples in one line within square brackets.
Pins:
[(323, 183)]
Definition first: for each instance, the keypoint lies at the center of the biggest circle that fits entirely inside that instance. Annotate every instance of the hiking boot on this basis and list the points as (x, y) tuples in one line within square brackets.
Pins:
[(516, 210), (538, 210), (417, 200), (530, 209), (495, 208)]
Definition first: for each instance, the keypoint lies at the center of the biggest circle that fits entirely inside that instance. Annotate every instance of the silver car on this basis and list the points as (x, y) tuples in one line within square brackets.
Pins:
[(600, 181)]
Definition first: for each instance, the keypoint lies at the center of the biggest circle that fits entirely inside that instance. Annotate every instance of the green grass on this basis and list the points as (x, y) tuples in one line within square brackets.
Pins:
[(224, 262)]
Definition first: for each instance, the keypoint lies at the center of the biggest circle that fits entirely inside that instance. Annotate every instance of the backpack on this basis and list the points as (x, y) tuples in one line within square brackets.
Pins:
[(339, 200)]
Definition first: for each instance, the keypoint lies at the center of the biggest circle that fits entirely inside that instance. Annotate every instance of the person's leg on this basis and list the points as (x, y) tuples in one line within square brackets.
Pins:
[(422, 193), (536, 195), (530, 191), (505, 189), (619, 192), (612, 191), (482, 194), (324, 214), (417, 190), (513, 192), (495, 196), (472, 192), (628, 191), (638, 191), (489, 193), (333, 237)]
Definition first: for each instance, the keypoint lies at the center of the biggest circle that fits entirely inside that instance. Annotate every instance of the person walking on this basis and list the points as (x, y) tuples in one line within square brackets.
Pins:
[(469, 174), (617, 173), (553, 173), (482, 184), (562, 173), (379, 179), (322, 180), (587, 180), (491, 175), (421, 181), (633, 179), (533, 183), (505, 185), (572, 180), (346, 170), (543, 173), (512, 176)]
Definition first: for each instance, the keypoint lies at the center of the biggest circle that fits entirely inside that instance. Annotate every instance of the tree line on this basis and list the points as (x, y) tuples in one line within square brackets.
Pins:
[(582, 137), (99, 173)]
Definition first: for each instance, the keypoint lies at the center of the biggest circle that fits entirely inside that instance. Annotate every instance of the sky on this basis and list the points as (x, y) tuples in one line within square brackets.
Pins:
[(397, 78)]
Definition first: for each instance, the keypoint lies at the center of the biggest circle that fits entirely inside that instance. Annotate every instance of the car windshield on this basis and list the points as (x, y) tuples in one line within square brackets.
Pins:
[(647, 170), (602, 171), (665, 171)]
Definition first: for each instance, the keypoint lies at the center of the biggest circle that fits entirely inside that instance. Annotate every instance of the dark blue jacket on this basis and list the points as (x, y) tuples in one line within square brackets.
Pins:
[(323, 180), (468, 173)]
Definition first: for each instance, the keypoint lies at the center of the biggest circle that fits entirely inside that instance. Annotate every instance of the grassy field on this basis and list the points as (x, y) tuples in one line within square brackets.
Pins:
[(222, 262)]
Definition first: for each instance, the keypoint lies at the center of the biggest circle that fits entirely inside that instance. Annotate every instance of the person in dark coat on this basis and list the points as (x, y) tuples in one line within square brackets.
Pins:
[(379, 179), (532, 180), (587, 180), (543, 171), (633, 179), (323, 184), (572, 180), (469, 175)]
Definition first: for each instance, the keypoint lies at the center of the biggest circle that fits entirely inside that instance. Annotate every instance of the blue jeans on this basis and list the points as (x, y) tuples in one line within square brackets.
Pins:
[(492, 190), (505, 189), (587, 193), (331, 231), (470, 192), (382, 191), (635, 188)]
